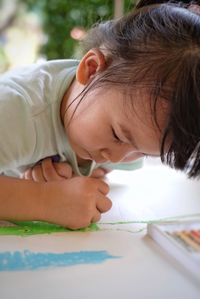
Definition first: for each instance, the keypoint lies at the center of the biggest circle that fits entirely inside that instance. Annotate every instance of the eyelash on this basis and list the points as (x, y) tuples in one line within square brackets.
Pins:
[(116, 137), (120, 142)]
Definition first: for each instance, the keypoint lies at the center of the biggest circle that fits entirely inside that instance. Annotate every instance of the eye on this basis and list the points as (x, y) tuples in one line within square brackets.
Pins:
[(117, 139)]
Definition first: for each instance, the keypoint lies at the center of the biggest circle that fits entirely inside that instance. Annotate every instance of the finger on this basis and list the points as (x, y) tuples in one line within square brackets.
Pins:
[(96, 217), (103, 204), (49, 171), (28, 174), (98, 173), (63, 169), (103, 187), (37, 174)]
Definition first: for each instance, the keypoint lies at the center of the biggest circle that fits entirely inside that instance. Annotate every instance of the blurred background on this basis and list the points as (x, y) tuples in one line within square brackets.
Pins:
[(35, 30)]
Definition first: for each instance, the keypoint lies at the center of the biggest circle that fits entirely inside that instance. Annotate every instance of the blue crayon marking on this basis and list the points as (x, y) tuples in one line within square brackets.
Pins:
[(27, 260)]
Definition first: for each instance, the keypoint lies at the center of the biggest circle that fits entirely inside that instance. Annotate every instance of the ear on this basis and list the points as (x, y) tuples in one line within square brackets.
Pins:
[(93, 62)]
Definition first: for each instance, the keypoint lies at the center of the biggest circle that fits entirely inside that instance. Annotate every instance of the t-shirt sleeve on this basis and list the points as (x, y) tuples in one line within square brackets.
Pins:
[(17, 133)]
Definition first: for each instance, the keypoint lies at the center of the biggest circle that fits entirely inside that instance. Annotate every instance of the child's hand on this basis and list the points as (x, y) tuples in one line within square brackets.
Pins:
[(47, 170), (76, 202)]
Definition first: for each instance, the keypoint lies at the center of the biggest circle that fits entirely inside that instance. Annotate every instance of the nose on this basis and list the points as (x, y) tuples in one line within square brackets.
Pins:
[(117, 156)]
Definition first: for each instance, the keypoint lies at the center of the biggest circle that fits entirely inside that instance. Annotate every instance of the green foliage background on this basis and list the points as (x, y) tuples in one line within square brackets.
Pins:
[(60, 16)]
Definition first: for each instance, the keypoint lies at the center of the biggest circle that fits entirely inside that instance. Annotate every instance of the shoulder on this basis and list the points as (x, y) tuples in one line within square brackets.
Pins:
[(10, 97), (14, 111), (40, 83)]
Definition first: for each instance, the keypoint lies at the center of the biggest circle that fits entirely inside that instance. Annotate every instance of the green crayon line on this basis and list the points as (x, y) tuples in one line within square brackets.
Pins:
[(28, 228), (167, 219)]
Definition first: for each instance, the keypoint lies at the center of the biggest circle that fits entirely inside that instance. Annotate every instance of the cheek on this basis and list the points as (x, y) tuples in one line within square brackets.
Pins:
[(88, 130), (80, 135)]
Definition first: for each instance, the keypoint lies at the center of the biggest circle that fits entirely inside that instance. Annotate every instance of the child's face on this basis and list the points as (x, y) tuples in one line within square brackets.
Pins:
[(106, 128)]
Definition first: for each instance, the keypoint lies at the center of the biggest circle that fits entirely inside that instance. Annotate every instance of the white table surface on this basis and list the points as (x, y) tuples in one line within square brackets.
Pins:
[(142, 270)]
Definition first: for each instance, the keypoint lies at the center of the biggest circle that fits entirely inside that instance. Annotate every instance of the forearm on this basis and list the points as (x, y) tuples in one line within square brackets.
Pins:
[(20, 199), (73, 203)]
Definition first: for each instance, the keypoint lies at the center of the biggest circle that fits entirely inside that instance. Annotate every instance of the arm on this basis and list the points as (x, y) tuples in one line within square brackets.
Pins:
[(20, 199), (73, 203)]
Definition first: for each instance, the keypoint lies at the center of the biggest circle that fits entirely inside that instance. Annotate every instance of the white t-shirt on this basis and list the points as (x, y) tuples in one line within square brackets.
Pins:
[(30, 124)]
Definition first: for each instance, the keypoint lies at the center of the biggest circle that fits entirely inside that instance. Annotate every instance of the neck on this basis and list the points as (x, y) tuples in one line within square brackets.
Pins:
[(69, 96), (67, 109)]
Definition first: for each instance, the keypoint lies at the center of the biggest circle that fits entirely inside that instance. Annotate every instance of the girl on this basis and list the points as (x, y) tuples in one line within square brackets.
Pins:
[(135, 92)]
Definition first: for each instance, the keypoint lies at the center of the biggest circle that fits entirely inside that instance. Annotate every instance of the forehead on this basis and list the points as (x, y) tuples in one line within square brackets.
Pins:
[(138, 104), (135, 106)]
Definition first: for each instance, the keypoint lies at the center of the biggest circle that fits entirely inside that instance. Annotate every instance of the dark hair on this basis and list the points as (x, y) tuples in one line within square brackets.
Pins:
[(142, 3), (157, 48)]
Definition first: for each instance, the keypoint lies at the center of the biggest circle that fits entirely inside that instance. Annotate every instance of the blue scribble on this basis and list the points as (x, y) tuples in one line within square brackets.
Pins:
[(27, 260)]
